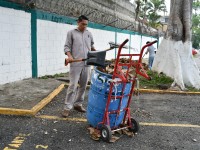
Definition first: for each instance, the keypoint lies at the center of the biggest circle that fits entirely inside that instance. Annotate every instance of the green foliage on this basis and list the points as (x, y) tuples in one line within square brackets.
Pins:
[(157, 79), (53, 76), (150, 9), (196, 5), (196, 25)]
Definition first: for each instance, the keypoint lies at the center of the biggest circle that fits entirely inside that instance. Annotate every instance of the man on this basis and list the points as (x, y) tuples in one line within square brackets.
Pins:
[(151, 52), (79, 41)]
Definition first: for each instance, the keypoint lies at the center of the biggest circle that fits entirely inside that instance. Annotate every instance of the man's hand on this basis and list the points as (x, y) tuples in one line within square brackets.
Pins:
[(93, 49), (70, 58)]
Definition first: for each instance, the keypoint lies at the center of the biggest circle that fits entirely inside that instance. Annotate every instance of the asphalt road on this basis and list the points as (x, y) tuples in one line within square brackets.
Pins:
[(164, 115)]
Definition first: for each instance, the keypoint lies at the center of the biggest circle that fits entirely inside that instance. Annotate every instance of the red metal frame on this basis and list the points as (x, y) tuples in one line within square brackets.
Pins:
[(123, 76)]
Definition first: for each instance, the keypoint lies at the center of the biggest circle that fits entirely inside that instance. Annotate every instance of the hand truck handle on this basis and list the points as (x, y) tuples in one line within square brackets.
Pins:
[(124, 43)]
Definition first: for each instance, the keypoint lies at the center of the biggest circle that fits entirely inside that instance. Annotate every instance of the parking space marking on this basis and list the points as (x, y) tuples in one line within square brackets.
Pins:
[(16, 142), (169, 125), (141, 123), (41, 146), (58, 118)]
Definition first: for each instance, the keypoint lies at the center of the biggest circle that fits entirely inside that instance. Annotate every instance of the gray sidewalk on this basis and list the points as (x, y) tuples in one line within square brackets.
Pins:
[(26, 93)]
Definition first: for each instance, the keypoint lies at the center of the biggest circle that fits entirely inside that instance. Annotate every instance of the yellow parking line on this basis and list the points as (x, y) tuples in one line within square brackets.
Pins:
[(169, 125), (58, 118), (13, 111), (47, 99), (36, 108), (17, 142), (141, 123)]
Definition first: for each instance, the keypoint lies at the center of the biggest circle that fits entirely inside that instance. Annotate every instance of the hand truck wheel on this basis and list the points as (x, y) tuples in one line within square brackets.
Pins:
[(135, 127), (106, 133)]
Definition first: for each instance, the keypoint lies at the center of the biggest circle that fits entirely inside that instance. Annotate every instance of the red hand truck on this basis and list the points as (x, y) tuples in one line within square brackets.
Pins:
[(128, 122)]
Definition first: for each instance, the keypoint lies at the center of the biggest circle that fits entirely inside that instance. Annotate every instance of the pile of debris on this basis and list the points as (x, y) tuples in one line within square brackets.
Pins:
[(109, 69)]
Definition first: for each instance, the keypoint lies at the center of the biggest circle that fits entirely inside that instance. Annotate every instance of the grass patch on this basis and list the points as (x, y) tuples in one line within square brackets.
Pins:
[(53, 76), (192, 89), (158, 81)]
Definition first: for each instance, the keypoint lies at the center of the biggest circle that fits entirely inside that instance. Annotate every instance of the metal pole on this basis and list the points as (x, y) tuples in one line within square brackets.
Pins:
[(130, 44), (115, 43), (141, 43)]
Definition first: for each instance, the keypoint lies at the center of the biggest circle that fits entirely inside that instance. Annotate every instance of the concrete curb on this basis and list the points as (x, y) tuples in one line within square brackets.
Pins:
[(47, 99), (36, 108)]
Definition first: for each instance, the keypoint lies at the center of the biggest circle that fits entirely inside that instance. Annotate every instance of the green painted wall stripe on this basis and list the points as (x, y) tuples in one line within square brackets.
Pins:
[(34, 43), (8, 4), (55, 17)]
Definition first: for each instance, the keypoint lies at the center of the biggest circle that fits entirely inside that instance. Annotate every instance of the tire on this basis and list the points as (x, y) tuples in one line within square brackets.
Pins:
[(106, 133), (135, 127)]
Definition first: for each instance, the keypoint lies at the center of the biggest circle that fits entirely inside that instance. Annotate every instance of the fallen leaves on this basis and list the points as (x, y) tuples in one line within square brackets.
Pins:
[(95, 134)]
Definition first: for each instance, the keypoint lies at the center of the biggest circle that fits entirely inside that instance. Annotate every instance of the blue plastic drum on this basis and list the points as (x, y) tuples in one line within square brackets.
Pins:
[(97, 99)]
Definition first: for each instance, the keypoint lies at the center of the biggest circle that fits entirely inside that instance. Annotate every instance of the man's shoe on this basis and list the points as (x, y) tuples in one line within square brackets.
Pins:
[(65, 113), (80, 109)]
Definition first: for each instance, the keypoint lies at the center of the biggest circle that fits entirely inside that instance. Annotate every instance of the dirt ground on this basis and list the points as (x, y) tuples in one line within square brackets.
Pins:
[(26, 93)]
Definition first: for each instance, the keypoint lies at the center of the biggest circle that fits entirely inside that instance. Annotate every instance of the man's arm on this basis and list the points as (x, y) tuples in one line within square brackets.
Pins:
[(68, 46), (147, 51), (92, 44)]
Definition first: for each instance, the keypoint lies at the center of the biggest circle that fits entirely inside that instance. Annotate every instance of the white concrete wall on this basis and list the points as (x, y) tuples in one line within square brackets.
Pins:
[(51, 38), (50, 46), (135, 45), (15, 45), (135, 42), (102, 39), (121, 37)]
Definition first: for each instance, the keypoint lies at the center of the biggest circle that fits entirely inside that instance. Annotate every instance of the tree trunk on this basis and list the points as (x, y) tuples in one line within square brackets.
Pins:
[(174, 56)]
